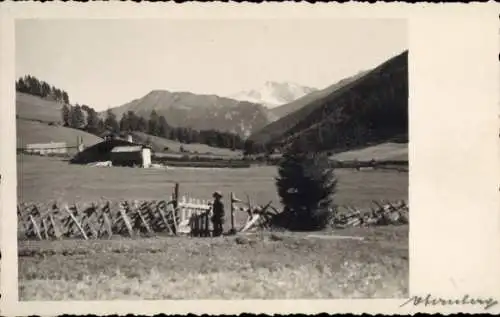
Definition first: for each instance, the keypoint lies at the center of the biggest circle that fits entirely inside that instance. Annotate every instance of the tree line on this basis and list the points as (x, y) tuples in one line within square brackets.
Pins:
[(33, 86), (157, 125), (84, 117)]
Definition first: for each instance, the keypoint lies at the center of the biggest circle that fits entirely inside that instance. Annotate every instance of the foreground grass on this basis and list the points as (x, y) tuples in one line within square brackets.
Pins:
[(264, 266)]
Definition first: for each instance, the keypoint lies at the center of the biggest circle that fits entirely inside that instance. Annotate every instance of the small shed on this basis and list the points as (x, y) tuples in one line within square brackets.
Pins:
[(131, 155), (47, 148)]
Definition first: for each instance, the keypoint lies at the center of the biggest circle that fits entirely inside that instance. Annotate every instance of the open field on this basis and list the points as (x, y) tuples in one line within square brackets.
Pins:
[(266, 266), (159, 144), (35, 108), (380, 152), (38, 132), (45, 179)]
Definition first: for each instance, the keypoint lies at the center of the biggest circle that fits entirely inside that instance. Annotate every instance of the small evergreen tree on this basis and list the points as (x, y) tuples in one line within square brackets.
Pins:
[(306, 184)]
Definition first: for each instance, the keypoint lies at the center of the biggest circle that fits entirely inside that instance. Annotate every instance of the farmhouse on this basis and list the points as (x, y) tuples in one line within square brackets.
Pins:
[(103, 152), (47, 148), (131, 155)]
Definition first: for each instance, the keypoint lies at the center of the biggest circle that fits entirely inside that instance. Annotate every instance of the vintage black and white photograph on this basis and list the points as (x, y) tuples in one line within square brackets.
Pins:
[(212, 159)]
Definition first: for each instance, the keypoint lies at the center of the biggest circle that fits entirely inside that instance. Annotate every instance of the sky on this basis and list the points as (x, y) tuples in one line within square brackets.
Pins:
[(106, 63)]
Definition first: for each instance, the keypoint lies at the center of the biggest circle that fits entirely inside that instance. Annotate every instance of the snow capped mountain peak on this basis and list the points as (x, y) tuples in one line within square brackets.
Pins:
[(272, 94)]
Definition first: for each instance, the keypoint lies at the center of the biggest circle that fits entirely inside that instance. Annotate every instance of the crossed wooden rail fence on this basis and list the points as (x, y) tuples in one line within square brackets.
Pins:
[(148, 218), (176, 216)]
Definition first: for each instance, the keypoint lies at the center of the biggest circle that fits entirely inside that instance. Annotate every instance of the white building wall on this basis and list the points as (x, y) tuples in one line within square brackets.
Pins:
[(146, 157)]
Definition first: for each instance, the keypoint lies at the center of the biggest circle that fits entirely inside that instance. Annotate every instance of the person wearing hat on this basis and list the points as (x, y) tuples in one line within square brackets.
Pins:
[(217, 214)]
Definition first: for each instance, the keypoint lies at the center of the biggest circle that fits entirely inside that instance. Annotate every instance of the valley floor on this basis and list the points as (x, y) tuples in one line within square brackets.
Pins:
[(44, 179), (236, 267), (259, 266)]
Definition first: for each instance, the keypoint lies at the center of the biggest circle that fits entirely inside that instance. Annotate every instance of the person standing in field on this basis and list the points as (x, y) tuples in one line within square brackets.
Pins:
[(218, 214)]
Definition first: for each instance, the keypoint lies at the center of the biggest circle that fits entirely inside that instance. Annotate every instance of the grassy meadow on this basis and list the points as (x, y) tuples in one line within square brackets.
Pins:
[(39, 132), (259, 266), (262, 265), (44, 179), (380, 152), (31, 107), (159, 145)]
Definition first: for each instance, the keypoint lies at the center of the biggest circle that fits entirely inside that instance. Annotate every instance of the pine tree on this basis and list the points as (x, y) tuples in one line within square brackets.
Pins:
[(111, 124), (163, 127), (173, 134), (195, 136), (66, 115), (77, 119), (142, 125), (125, 123), (154, 124), (64, 96), (21, 85), (93, 122), (187, 135), (133, 120), (45, 89), (248, 147), (36, 87), (57, 94), (101, 127), (306, 184), (53, 92)]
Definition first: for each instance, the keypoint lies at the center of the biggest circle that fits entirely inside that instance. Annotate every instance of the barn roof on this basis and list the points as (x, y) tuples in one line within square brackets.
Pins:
[(100, 152), (127, 148)]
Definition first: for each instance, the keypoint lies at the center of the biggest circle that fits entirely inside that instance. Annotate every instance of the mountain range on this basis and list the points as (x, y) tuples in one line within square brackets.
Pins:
[(201, 112), (368, 108), (273, 94), (365, 108), (243, 113)]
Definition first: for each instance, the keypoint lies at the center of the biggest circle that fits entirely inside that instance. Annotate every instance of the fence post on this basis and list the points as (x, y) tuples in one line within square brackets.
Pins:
[(175, 204), (207, 223), (176, 194), (232, 212)]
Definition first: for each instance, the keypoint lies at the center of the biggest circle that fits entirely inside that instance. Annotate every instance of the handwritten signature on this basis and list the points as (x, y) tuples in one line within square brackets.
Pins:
[(429, 300)]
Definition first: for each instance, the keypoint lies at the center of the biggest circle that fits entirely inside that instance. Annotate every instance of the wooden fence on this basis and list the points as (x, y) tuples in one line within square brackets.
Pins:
[(178, 215), (381, 213), (104, 219)]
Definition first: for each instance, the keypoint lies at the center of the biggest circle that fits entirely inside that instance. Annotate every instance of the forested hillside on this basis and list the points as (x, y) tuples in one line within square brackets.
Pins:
[(370, 109)]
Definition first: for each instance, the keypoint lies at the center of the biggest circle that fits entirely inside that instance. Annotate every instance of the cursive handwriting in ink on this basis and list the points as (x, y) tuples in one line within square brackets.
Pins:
[(429, 300)]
